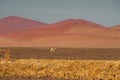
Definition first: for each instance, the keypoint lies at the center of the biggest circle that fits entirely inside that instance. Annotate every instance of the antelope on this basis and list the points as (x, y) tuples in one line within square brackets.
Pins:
[(52, 50)]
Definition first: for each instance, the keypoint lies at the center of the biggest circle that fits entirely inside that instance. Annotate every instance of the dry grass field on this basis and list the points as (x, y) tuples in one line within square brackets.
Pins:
[(63, 53), (62, 64), (59, 69)]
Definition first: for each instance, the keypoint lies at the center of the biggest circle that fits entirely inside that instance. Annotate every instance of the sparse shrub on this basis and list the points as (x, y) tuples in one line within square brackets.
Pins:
[(7, 55)]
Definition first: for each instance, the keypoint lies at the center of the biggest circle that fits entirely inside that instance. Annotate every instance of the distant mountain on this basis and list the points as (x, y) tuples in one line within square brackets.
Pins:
[(70, 26), (117, 27), (76, 22), (67, 33), (13, 24), (76, 26)]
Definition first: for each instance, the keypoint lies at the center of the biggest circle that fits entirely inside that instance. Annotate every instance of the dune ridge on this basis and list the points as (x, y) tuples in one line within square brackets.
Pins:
[(66, 33)]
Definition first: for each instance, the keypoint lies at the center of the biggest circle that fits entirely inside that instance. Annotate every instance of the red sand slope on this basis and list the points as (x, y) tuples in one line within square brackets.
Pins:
[(117, 27), (13, 24), (67, 33)]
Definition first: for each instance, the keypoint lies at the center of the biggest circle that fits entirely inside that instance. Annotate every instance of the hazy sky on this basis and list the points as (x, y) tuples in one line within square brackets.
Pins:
[(106, 12)]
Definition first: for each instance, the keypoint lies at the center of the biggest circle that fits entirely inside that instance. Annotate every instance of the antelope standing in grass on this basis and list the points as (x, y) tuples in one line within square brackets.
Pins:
[(52, 50)]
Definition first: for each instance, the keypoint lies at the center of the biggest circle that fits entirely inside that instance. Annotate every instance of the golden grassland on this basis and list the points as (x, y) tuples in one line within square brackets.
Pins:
[(62, 69)]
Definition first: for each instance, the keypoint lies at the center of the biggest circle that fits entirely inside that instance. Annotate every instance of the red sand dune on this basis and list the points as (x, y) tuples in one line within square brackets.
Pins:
[(67, 33), (13, 24), (67, 27), (117, 27)]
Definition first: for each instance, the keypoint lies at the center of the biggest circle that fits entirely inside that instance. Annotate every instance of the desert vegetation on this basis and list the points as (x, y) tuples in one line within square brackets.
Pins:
[(64, 53), (61, 64), (5, 54), (61, 69)]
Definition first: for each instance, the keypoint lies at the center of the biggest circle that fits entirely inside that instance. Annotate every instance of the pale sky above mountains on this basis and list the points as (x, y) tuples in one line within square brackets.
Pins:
[(106, 12)]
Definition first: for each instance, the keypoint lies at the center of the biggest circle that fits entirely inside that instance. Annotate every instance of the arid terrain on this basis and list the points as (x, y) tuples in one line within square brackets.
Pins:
[(21, 32), (30, 63), (72, 49), (63, 53), (32, 69)]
